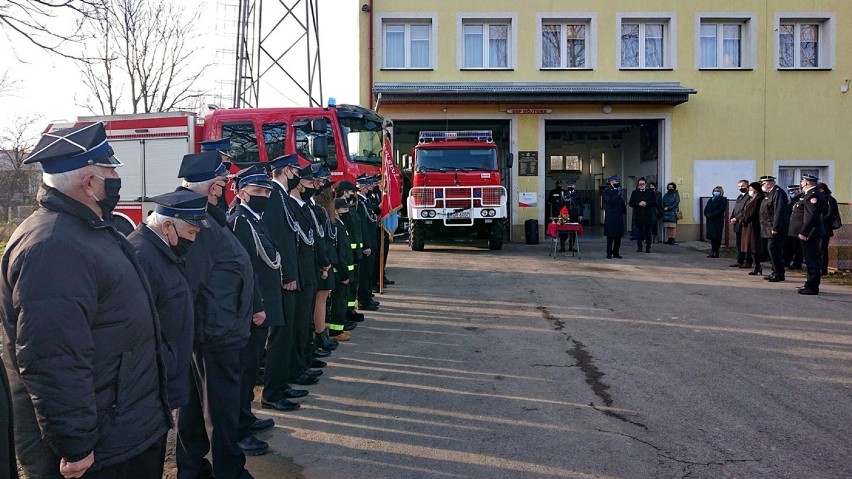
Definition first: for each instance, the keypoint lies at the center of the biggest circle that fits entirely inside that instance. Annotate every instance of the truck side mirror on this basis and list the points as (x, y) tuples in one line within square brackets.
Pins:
[(319, 125), (509, 160), (318, 146)]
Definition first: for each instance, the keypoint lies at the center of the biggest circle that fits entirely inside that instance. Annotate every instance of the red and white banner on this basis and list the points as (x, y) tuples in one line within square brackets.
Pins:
[(391, 186)]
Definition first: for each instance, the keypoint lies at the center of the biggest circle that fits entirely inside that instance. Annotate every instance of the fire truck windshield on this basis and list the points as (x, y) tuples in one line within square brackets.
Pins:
[(363, 140), (461, 159)]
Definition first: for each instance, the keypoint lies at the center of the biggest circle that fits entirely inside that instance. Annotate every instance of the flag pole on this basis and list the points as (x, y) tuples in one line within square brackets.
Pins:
[(381, 251)]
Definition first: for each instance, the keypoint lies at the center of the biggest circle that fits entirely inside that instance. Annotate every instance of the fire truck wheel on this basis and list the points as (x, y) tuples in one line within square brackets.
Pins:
[(122, 225), (416, 240), (495, 241)]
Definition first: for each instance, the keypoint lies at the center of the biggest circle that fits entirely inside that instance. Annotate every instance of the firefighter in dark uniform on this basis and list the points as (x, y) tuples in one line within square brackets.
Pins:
[(253, 189), (574, 201), (367, 212), (615, 208), (343, 268), (220, 274), (223, 147), (792, 245), (349, 192), (318, 198), (80, 334), (306, 253), (284, 230), (774, 222), (806, 222), (161, 244), (554, 201)]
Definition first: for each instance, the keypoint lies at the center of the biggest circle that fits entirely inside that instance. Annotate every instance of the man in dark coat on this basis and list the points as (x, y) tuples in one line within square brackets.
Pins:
[(254, 189), (574, 201), (554, 201), (806, 221), (219, 271), (279, 221), (367, 212), (744, 259), (774, 222), (8, 463), (80, 333), (161, 243), (644, 204), (792, 246), (615, 209)]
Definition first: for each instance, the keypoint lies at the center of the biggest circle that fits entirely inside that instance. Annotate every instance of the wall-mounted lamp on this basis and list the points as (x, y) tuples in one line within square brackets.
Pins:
[(844, 87), (365, 8), (607, 109)]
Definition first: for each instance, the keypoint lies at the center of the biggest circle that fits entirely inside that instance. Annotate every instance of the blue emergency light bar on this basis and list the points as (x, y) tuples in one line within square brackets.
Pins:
[(470, 135)]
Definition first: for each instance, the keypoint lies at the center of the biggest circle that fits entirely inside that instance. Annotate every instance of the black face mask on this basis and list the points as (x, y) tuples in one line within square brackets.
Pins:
[(353, 200), (292, 183), (308, 193), (257, 203), (112, 186), (570, 188), (182, 245), (743, 190)]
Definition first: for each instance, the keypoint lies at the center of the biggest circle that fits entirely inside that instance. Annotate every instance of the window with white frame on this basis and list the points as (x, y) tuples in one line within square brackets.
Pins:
[(486, 44), (792, 175), (721, 45), (801, 44), (645, 43), (407, 44), (565, 44)]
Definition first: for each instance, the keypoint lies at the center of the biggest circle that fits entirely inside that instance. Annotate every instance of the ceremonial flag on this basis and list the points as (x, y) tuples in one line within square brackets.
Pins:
[(391, 186)]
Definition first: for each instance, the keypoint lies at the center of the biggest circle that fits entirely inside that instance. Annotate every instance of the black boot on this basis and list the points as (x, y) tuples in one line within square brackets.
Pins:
[(757, 271), (323, 341)]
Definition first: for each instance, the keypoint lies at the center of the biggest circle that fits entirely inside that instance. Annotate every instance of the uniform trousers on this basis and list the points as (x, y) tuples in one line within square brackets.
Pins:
[(793, 252), (810, 251), (279, 345), (216, 392), (354, 281), (613, 245), (250, 358), (823, 254), (643, 233), (775, 246), (303, 328), (339, 297), (147, 464)]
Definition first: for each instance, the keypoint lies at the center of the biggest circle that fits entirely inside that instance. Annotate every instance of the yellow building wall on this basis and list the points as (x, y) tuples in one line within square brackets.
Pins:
[(763, 115)]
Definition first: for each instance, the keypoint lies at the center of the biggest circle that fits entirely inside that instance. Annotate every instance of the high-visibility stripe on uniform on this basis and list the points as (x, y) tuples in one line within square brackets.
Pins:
[(353, 245), (351, 267), (335, 269), (335, 327), (351, 304), (361, 244)]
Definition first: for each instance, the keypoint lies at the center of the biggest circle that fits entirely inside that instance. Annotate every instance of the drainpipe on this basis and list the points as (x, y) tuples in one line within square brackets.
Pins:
[(370, 51)]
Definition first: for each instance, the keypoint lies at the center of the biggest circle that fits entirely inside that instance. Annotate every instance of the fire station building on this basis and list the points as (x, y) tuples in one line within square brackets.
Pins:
[(698, 93)]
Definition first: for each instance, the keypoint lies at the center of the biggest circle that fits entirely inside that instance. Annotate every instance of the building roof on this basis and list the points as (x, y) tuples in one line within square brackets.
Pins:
[(553, 93)]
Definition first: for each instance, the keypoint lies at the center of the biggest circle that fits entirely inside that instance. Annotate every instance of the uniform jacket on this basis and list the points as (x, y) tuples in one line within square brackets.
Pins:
[(741, 201), (278, 225), (574, 200), (326, 248), (828, 215), (670, 206), (249, 231), (554, 201), (790, 208), (367, 212), (305, 252), (225, 290), (643, 215), (8, 463), (173, 301), (615, 211), (344, 259), (773, 213), (806, 219), (714, 211), (353, 227), (80, 342)]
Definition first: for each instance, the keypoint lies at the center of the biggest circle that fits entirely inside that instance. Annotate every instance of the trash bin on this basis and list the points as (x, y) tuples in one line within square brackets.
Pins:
[(531, 231)]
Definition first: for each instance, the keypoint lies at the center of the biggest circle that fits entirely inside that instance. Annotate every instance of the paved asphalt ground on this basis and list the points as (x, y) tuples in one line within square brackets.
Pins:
[(510, 364)]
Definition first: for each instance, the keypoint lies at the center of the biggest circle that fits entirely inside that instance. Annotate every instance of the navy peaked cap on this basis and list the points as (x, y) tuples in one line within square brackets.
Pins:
[(810, 178), (285, 160), (73, 148), (219, 144), (254, 175), (765, 178), (184, 205), (197, 167), (346, 185), (613, 178), (320, 170)]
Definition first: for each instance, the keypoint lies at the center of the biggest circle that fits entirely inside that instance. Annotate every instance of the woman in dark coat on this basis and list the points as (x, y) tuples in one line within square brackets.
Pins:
[(828, 215), (749, 218), (614, 221), (714, 211), (8, 463)]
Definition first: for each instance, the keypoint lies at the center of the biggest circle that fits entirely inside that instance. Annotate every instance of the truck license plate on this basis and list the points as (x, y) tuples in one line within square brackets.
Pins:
[(460, 214)]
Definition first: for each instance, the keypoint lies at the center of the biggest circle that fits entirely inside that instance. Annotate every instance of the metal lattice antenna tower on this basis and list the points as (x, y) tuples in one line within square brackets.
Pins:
[(274, 38)]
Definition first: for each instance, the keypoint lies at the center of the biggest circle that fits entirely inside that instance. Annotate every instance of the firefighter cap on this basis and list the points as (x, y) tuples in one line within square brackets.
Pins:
[(284, 160), (321, 171), (222, 145), (254, 175), (767, 178), (810, 178), (184, 205), (198, 167), (346, 185), (792, 188), (73, 148), (612, 178)]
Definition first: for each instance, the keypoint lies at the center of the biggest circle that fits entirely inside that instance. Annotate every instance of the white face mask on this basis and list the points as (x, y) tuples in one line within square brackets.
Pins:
[(751, 193)]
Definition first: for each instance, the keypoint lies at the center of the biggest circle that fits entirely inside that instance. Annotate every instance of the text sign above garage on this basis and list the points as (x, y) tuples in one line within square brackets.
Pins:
[(528, 111)]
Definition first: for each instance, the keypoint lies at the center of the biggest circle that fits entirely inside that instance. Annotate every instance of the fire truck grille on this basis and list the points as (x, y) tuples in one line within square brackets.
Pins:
[(423, 196), (492, 195), (458, 197)]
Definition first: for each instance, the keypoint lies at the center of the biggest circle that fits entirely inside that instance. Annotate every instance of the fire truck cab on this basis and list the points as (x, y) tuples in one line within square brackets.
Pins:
[(456, 188)]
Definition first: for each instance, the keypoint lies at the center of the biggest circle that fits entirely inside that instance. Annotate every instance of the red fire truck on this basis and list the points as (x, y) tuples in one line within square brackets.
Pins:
[(456, 188), (347, 138)]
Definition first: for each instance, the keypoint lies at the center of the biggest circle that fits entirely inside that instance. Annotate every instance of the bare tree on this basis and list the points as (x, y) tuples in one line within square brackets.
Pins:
[(39, 22), (144, 58), (7, 84), (18, 182)]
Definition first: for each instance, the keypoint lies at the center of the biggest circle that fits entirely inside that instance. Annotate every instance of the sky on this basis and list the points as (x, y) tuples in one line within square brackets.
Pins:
[(50, 86)]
